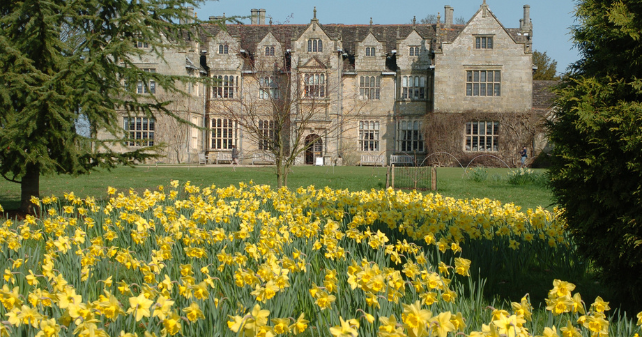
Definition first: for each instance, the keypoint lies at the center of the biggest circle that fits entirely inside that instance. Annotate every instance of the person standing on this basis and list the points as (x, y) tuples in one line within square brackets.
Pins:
[(524, 155), (235, 155)]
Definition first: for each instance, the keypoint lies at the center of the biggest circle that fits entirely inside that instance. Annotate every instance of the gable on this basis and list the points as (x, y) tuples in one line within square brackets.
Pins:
[(269, 40), (413, 38), (484, 22), (370, 40), (314, 63), (224, 36)]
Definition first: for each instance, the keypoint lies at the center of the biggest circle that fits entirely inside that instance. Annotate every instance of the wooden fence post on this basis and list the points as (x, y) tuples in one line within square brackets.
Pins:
[(387, 177), (392, 175), (433, 178)]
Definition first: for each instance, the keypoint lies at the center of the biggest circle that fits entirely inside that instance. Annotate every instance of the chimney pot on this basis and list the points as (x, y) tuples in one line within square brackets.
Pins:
[(261, 16), (254, 17), (525, 24), (448, 19)]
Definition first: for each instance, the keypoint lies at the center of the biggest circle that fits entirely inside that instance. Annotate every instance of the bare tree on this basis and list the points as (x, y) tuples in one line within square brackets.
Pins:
[(432, 19), (281, 111), (174, 133)]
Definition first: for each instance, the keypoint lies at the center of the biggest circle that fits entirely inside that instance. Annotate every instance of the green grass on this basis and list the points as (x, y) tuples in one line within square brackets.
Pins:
[(451, 182)]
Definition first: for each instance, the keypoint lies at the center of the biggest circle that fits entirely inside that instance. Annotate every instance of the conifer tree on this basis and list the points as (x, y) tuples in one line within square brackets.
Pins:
[(546, 67), (596, 173), (65, 61)]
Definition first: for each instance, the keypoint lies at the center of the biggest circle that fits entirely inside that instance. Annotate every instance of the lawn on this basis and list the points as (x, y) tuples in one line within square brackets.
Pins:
[(451, 182)]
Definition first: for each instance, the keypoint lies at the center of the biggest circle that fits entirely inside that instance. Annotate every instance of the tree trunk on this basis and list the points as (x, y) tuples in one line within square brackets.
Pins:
[(279, 167), (30, 187), (285, 176)]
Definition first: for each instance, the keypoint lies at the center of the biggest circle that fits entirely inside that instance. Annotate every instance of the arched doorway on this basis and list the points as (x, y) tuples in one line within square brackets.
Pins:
[(313, 148)]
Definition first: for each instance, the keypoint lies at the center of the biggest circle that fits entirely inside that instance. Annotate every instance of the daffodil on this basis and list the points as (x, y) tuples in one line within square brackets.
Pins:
[(281, 325), (570, 331), (48, 328), (324, 300), (559, 305), (343, 329), (193, 312), (415, 319), (561, 289), (300, 325), (172, 324), (600, 305), (462, 266), (550, 332), (139, 306)]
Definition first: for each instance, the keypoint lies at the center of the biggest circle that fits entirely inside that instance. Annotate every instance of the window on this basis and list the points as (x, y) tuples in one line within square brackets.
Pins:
[(268, 88), (368, 136), (314, 85), (409, 137), (370, 87), (315, 45), (223, 49), (151, 85), (414, 50), (484, 42), (370, 51), (225, 86), (269, 51), (413, 87), (140, 131), (266, 134), (482, 136), (224, 133), (483, 83), (140, 44)]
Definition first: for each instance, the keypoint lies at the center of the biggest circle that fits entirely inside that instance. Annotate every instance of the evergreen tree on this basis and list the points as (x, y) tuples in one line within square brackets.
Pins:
[(546, 67), (596, 172), (62, 62)]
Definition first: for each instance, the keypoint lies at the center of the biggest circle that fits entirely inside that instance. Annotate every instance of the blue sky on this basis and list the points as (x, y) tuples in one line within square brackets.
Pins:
[(551, 19)]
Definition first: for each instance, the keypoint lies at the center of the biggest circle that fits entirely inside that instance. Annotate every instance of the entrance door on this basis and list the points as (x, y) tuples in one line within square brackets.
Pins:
[(313, 148)]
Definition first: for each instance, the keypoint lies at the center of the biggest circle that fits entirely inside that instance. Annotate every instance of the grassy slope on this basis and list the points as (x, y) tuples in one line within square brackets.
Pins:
[(451, 182)]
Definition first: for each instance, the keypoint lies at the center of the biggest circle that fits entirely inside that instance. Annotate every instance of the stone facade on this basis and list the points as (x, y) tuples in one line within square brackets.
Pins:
[(376, 87)]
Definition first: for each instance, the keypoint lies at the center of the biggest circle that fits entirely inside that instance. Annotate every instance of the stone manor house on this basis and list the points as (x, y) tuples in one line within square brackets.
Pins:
[(381, 93)]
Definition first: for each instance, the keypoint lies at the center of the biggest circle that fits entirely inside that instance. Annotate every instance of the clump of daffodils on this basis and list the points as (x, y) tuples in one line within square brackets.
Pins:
[(181, 259)]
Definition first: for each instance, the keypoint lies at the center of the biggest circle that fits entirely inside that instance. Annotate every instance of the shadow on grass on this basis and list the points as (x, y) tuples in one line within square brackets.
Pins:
[(9, 201)]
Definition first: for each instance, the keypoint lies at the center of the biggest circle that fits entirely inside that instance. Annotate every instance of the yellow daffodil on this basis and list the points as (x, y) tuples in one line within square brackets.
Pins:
[(193, 312), (300, 325), (48, 328), (561, 289), (172, 324), (600, 306), (281, 325), (139, 306), (343, 329), (570, 331), (550, 332)]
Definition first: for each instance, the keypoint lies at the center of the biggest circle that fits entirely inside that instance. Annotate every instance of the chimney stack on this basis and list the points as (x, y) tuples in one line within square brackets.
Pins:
[(525, 23), (448, 19), (189, 11), (261, 16), (254, 17)]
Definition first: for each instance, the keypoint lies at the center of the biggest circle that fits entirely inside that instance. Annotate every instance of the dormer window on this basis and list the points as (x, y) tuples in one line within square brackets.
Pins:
[(483, 42), (370, 51), (269, 51), (223, 49), (315, 46)]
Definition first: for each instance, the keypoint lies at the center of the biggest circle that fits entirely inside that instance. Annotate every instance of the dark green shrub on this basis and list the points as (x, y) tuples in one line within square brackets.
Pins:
[(596, 162)]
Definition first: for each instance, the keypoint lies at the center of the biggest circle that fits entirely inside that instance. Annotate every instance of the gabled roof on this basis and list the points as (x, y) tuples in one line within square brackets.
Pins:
[(251, 35)]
